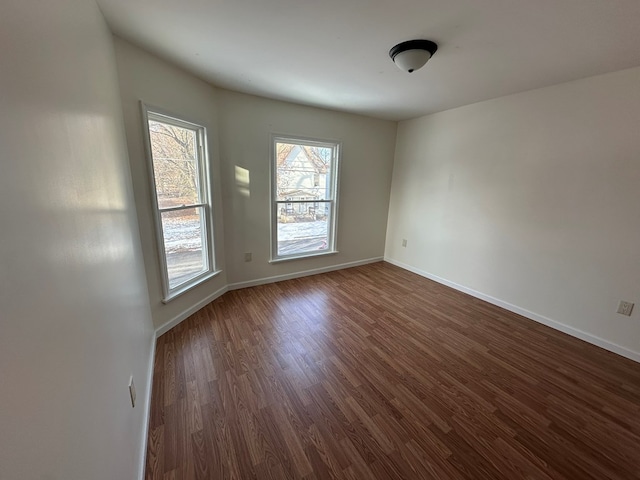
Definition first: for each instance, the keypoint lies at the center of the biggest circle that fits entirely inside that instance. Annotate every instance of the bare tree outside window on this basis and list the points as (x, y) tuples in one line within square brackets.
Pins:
[(174, 164)]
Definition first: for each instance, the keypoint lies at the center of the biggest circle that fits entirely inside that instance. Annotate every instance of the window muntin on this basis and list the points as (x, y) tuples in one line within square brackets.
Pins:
[(182, 200), (304, 197)]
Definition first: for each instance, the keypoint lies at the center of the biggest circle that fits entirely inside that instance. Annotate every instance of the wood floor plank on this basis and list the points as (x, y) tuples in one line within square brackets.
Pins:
[(376, 373), (154, 466)]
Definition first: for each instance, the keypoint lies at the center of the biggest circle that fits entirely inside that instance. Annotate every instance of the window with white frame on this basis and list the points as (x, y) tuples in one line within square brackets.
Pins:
[(182, 200), (304, 197)]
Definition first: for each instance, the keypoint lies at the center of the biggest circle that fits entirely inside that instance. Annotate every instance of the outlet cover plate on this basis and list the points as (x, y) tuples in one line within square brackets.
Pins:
[(132, 391), (625, 308)]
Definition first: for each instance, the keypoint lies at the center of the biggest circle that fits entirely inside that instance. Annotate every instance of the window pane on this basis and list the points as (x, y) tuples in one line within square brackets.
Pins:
[(303, 172), (183, 243), (303, 227), (175, 164)]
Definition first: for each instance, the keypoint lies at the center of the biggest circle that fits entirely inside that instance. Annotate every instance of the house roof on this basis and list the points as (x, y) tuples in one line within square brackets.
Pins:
[(310, 153)]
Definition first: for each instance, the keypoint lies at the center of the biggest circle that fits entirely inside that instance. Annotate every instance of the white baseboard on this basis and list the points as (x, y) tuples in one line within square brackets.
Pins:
[(147, 409), (190, 311), (574, 332), (304, 273)]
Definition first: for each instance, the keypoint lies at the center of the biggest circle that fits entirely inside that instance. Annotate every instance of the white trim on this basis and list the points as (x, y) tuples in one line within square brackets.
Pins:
[(305, 255), (334, 182), (574, 332), (190, 311), (147, 409), (304, 273), (190, 284)]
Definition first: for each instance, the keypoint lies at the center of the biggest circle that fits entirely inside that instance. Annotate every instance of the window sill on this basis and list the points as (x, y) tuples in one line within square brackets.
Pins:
[(303, 256), (189, 285)]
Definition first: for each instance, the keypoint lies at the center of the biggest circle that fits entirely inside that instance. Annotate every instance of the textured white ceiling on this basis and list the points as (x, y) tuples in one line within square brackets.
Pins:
[(334, 53)]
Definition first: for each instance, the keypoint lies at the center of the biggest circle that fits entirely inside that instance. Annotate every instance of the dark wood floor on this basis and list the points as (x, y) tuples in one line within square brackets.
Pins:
[(376, 373)]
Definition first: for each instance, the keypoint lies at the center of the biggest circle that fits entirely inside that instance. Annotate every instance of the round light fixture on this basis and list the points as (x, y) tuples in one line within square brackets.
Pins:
[(413, 54)]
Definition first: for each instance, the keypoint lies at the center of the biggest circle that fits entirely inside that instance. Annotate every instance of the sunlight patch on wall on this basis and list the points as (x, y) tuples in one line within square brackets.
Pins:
[(243, 181)]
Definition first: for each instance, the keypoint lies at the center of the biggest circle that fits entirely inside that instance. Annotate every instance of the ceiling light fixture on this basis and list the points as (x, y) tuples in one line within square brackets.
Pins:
[(413, 54)]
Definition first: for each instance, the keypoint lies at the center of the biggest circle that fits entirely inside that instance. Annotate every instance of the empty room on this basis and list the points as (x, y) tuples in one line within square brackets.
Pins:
[(319, 240)]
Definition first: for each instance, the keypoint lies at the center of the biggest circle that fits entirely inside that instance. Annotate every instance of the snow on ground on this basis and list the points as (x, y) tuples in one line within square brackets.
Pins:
[(184, 234), (296, 231)]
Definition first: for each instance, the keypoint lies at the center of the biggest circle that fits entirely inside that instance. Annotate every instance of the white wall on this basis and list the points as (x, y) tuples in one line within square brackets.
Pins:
[(75, 321), (532, 199), (246, 123), (157, 83)]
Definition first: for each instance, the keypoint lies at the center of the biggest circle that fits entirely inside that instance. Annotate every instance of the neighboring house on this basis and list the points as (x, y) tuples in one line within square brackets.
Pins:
[(303, 175)]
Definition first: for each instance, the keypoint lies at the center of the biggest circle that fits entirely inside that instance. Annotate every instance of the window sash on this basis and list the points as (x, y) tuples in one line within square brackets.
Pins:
[(203, 188), (331, 198)]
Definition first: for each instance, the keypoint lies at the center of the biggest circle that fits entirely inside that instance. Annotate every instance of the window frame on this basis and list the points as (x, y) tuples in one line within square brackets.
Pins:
[(334, 180), (206, 201)]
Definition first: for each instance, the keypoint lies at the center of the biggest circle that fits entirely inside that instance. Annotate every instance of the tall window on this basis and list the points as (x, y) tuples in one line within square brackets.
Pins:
[(304, 197), (182, 200)]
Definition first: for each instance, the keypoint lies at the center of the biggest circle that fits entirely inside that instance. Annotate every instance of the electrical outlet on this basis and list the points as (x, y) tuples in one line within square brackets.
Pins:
[(404, 242), (625, 308), (247, 257), (132, 391)]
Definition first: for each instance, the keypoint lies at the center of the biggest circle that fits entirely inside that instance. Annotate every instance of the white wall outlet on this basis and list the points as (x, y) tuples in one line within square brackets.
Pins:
[(404, 242), (247, 257), (625, 308), (132, 391)]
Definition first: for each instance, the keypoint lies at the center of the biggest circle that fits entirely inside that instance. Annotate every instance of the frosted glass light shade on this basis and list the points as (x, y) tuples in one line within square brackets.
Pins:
[(411, 60)]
